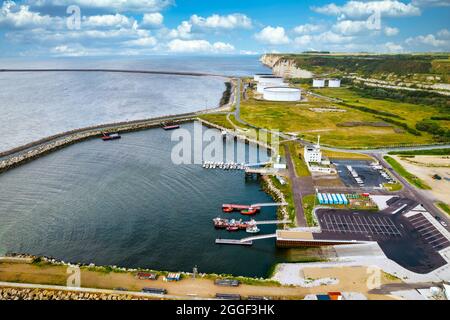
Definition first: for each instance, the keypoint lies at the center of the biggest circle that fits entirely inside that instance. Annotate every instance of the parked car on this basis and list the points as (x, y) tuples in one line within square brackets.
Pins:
[(441, 221)]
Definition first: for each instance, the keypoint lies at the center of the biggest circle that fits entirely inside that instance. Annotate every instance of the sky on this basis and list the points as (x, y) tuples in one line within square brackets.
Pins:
[(59, 28)]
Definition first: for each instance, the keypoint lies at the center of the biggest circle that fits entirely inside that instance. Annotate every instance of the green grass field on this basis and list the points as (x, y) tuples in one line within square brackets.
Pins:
[(308, 207), (405, 174), (298, 118), (444, 207), (300, 166)]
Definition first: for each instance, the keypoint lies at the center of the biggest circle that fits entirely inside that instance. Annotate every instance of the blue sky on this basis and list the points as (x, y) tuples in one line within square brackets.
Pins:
[(43, 28)]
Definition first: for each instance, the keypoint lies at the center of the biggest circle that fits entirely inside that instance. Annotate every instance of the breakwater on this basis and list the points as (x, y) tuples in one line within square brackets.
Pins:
[(42, 147)]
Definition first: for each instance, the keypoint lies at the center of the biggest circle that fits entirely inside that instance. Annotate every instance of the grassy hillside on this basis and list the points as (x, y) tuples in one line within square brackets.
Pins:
[(369, 65)]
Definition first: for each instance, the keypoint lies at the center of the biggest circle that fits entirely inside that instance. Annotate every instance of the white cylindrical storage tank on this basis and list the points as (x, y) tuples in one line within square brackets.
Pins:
[(334, 83), (318, 83), (257, 76), (271, 79), (282, 94), (262, 85)]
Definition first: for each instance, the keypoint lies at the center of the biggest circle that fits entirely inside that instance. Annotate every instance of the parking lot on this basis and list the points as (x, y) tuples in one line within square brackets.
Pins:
[(381, 226), (405, 236), (368, 226), (429, 232), (371, 177)]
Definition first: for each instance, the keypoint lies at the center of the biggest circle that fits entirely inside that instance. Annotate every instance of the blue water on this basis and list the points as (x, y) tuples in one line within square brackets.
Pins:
[(125, 203), (37, 105)]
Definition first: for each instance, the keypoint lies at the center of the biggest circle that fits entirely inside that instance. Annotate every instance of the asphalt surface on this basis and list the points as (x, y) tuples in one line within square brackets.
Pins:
[(412, 242), (411, 192)]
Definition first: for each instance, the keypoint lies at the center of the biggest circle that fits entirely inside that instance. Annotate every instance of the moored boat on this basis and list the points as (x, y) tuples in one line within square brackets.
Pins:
[(110, 136), (249, 211), (252, 229)]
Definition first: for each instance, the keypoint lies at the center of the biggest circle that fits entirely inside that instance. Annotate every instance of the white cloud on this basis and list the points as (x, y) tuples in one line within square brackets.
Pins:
[(215, 21), (155, 19), (182, 31), (308, 28), (272, 36), (392, 47), (389, 31), (198, 46), (428, 40), (359, 9), (16, 16), (248, 52), (113, 5), (111, 21), (444, 33), (303, 40), (69, 51), (323, 39), (142, 42), (348, 27), (431, 3)]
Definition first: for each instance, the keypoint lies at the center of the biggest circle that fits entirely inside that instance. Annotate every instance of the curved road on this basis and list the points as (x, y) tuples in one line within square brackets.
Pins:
[(408, 190)]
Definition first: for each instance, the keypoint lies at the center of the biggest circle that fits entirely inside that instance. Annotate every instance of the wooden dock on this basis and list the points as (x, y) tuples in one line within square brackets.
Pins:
[(234, 242)]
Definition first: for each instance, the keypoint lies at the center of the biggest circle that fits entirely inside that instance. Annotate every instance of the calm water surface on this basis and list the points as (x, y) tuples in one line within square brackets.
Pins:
[(124, 203)]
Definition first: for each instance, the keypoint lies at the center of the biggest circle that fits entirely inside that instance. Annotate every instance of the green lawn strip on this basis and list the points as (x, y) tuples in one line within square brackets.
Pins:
[(431, 152), (405, 174), (393, 186), (287, 192), (308, 208), (445, 207), (296, 152)]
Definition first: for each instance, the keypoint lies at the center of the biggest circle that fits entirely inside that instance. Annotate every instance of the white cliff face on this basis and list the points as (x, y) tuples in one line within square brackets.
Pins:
[(284, 67)]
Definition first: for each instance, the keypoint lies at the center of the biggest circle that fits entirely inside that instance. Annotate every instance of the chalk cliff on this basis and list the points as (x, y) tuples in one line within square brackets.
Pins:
[(284, 67)]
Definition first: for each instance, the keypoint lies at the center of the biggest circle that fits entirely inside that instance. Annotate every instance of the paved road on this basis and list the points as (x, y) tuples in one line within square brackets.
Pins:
[(412, 192), (296, 190), (408, 191)]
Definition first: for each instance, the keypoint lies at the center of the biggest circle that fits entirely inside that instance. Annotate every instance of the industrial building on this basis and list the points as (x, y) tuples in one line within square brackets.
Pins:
[(318, 83), (327, 198), (334, 83), (282, 94), (315, 161)]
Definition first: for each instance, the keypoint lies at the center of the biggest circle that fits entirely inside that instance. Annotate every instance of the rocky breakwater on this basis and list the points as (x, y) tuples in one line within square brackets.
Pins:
[(40, 148), (10, 293), (284, 67)]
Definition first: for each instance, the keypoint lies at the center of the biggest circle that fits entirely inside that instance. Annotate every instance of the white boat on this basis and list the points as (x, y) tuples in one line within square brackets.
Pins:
[(252, 229)]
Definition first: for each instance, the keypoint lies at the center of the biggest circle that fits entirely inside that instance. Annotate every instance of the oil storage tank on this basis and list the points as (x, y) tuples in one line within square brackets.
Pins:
[(282, 94), (318, 83), (263, 85), (271, 79), (334, 83), (258, 76)]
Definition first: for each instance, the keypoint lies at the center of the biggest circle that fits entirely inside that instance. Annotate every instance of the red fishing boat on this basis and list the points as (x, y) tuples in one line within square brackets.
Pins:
[(249, 211), (110, 136), (232, 228), (227, 209)]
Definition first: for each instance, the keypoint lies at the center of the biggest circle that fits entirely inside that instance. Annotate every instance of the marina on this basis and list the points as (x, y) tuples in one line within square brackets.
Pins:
[(143, 184)]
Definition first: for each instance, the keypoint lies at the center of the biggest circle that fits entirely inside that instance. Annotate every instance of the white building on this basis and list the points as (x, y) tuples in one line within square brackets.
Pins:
[(334, 83), (318, 83), (313, 153), (315, 161), (282, 94)]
